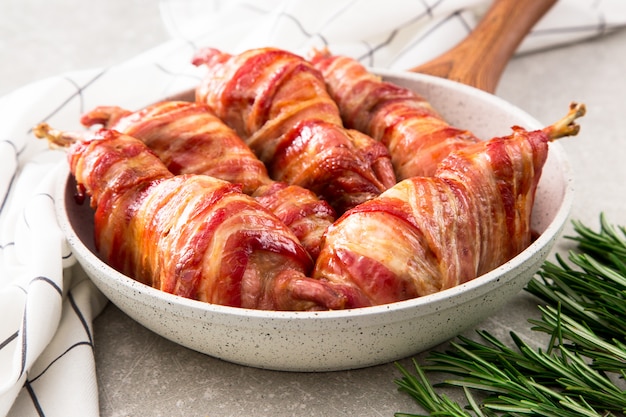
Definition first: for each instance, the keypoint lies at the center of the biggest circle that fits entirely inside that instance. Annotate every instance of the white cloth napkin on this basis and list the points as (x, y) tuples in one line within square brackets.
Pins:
[(47, 304), (397, 34)]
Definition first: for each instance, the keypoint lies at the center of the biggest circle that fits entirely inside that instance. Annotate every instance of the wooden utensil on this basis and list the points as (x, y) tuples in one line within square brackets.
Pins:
[(480, 59)]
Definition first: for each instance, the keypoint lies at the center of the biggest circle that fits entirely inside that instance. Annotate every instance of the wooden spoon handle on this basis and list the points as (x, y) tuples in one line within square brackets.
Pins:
[(479, 60)]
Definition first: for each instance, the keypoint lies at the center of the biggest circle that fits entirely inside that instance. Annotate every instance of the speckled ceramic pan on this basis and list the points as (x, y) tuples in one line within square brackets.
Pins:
[(335, 340)]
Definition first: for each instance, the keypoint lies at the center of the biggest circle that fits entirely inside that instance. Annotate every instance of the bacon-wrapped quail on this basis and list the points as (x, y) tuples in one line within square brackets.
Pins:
[(190, 235), (278, 103), (190, 139), (417, 137), (427, 234)]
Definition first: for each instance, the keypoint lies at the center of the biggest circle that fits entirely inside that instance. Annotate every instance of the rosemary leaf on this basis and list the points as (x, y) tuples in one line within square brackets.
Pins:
[(422, 391)]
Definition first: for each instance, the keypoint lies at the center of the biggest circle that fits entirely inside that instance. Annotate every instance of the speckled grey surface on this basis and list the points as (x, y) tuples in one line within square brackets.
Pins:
[(141, 373)]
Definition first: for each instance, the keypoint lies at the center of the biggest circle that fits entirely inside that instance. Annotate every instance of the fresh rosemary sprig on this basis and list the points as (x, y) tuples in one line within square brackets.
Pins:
[(595, 294), (581, 372)]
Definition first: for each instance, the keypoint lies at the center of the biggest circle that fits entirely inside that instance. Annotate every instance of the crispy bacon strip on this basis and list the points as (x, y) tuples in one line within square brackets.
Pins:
[(417, 137), (190, 235), (278, 103), (427, 234), (190, 139)]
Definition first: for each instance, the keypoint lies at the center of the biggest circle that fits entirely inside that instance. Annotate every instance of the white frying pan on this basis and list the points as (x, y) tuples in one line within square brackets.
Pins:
[(336, 340)]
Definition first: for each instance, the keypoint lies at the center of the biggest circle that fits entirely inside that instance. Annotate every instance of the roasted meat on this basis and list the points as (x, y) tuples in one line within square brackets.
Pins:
[(417, 136), (278, 103), (200, 237), (190, 139), (191, 235), (427, 234)]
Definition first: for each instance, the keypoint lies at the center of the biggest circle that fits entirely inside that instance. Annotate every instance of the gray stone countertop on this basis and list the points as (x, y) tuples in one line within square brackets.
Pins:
[(140, 373)]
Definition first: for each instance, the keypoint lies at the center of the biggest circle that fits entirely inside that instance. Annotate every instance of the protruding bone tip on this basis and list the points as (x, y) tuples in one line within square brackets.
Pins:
[(567, 126), (579, 109), (42, 130)]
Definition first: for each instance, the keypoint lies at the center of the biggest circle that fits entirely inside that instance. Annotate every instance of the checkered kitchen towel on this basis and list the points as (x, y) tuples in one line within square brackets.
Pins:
[(46, 303)]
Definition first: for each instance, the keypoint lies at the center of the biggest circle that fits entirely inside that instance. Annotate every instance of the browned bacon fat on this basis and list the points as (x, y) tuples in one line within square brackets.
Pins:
[(190, 235), (278, 103), (428, 234), (417, 137), (190, 139)]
